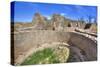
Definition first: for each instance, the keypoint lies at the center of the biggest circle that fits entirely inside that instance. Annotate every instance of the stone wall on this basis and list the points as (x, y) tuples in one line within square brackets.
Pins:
[(25, 43), (84, 43)]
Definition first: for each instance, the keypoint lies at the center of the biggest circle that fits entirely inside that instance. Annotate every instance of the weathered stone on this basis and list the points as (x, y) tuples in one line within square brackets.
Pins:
[(93, 28), (57, 22), (39, 22)]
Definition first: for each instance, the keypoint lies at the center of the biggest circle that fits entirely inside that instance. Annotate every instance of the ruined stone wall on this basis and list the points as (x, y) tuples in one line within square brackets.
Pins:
[(78, 24), (81, 25)]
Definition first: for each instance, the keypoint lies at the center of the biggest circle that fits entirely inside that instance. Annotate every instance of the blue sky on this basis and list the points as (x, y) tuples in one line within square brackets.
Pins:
[(24, 11)]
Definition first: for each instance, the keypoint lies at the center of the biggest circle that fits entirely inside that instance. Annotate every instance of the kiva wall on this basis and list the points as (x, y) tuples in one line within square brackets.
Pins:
[(84, 43), (25, 43)]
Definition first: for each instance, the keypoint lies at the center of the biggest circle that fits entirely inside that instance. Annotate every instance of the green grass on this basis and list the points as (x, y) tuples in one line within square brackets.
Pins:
[(47, 56), (41, 57)]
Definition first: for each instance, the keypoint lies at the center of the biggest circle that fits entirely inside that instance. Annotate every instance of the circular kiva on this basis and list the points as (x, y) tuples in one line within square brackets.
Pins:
[(56, 53), (26, 43)]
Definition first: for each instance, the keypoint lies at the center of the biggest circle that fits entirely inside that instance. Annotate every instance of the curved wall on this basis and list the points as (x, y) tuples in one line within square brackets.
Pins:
[(84, 43), (25, 43)]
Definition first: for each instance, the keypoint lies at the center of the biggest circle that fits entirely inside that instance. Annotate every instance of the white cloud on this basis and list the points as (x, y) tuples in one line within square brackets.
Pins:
[(63, 14)]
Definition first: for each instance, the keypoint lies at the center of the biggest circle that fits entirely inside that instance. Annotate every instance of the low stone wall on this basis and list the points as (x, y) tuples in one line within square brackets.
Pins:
[(25, 43)]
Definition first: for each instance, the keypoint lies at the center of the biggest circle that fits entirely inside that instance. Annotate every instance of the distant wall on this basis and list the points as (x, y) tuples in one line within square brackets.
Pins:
[(26, 43)]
